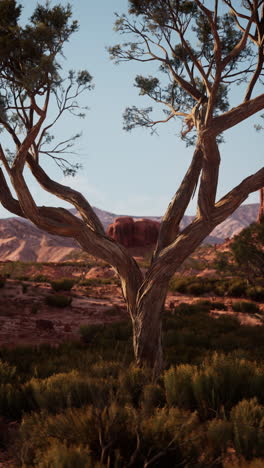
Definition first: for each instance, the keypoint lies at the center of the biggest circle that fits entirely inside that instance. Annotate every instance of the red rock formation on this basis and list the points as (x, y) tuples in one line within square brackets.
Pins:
[(130, 233), (261, 205)]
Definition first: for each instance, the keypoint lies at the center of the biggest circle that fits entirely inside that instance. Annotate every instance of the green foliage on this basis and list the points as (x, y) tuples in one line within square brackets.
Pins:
[(64, 390), (237, 288), (248, 421), (59, 455), (220, 382), (2, 282), (58, 300), (64, 284), (247, 249), (245, 306)]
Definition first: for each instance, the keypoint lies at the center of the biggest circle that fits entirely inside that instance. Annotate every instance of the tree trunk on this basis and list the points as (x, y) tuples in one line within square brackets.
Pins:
[(147, 330)]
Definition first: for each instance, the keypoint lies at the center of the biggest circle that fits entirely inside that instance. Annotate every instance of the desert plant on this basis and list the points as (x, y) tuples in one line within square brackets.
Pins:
[(58, 300), (248, 421), (246, 307), (64, 284), (2, 281)]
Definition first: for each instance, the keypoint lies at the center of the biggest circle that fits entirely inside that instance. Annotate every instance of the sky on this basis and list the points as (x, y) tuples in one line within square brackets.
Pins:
[(130, 173)]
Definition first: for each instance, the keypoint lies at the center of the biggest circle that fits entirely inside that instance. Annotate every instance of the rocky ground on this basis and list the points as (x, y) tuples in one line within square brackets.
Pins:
[(26, 319)]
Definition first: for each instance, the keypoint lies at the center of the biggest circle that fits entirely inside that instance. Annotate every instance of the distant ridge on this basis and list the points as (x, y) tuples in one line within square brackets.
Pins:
[(21, 240)]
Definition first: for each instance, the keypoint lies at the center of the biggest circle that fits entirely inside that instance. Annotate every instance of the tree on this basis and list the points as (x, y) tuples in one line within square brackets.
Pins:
[(247, 249), (193, 83)]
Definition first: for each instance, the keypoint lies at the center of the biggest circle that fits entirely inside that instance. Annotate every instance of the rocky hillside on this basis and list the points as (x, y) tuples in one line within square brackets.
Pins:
[(20, 240)]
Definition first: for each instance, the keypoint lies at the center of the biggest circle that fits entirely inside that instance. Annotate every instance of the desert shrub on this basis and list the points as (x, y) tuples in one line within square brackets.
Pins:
[(242, 463), (256, 293), (221, 381), (59, 455), (89, 333), (168, 436), (106, 334), (248, 422), (131, 384), (2, 281), (178, 284), (40, 279), (219, 305), (246, 307), (104, 369), (153, 397), (178, 386), (58, 300), (7, 373), (34, 308), (196, 289), (219, 435), (237, 288), (98, 281), (64, 284), (109, 433), (70, 389)]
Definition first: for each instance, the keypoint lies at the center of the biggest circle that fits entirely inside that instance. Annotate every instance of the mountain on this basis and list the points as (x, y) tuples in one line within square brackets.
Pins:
[(21, 240)]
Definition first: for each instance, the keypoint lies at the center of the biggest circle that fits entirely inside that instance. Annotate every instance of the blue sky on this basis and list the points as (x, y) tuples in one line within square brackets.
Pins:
[(131, 173)]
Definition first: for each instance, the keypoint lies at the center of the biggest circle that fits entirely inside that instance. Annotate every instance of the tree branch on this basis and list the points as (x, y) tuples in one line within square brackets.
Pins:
[(171, 220)]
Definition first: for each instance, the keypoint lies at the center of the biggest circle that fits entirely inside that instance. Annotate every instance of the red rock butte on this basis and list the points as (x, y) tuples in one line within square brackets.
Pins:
[(139, 233)]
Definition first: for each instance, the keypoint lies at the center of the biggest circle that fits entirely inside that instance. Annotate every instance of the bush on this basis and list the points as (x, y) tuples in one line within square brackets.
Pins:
[(39, 279), (246, 307), (221, 381), (59, 455), (248, 422), (2, 281), (256, 293), (153, 397), (219, 305), (64, 390), (219, 435), (65, 284), (237, 289), (58, 300)]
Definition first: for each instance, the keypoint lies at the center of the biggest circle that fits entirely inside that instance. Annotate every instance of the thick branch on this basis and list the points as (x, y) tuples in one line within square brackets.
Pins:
[(67, 194), (6, 198), (209, 178), (236, 115), (176, 209), (232, 200)]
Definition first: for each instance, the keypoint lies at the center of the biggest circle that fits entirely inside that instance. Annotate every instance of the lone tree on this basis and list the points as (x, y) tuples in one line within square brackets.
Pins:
[(200, 54)]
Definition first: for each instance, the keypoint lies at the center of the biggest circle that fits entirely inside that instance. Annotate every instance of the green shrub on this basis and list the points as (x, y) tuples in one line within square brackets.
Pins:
[(34, 309), (248, 422), (256, 293), (237, 289), (7, 372), (153, 397), (40, 279), (246, 307), (196, 288), (64, 390), (58, 300), (219, 435), (219, 306), (59, 455), (2, 281), (64, 284), (24, 288), (221, 381), (178, 386), (131, 384)]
